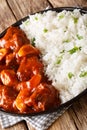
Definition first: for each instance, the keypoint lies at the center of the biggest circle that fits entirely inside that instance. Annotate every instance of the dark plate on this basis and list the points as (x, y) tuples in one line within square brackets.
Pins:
[(63, 106)]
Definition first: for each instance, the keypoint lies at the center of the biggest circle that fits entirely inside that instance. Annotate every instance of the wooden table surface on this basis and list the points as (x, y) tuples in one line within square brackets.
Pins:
[(75, 118)]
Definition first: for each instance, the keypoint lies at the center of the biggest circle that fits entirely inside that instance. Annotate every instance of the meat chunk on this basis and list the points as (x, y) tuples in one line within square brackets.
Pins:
[(3, 53), (9, 58), (28, 49), (11, 62), (7, 98), (31, 84), (19, 102), (8, 77), (29, 67), (14, 39), (45, 97), (11, 31), (26, 89), (15, 43)]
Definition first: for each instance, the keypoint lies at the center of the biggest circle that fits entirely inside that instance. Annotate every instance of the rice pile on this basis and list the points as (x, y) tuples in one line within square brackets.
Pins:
[(62, 40)]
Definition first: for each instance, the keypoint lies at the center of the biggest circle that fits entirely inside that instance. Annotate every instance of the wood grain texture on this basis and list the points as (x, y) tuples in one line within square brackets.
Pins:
[(64, 122), (60, 3), (75, 118), (6, 16), (22, 8), (78, 113)]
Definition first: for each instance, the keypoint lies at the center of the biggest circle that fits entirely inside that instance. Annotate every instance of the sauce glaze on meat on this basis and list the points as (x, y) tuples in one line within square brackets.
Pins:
[(23, 86)]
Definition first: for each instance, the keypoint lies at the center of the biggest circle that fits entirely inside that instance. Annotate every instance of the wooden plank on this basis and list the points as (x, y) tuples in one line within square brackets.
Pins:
[(73, 119), (19, 126), (6, 16), (64, 122), (79, 113), (60, 3), (22, 8)]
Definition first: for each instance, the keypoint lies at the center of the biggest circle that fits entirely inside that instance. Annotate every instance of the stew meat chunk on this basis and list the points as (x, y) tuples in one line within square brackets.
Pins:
[(24, 88)]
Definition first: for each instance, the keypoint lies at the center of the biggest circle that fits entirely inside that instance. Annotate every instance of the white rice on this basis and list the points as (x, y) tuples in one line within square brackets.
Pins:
[(62, 40)]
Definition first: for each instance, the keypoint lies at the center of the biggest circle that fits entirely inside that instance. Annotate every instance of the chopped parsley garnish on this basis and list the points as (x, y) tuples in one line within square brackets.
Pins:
[(83, 74), (67, 41), (62, 51), (61, 16), (45, 30), (33, 41), (75, 19), (79, 37), (74, 50), (59, 60), (70, 75), (26, 22), (36, 18)]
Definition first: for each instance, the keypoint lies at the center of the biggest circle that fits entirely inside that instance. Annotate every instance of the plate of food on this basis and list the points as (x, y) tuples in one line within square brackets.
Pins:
[(43, 62)]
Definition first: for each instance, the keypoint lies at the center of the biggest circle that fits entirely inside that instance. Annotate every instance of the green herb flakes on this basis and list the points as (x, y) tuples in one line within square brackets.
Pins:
[(70, 75), (33, 41), (61, 16), (79, 37), (75, 20), (45, 30), (83, 74), (26, 22), (59, 60), (67, 41), (36, 18), (74, 50), (62, 51)]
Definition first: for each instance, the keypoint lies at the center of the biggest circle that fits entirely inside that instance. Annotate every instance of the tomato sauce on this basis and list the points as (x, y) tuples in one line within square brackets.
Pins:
[(24, 88)]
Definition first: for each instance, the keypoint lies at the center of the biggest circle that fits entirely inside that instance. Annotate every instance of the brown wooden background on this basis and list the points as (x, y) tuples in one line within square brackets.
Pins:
[(75, 118)]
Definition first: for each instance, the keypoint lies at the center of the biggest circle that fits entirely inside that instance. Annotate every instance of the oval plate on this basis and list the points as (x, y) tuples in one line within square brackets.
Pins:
[(68, 103)]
